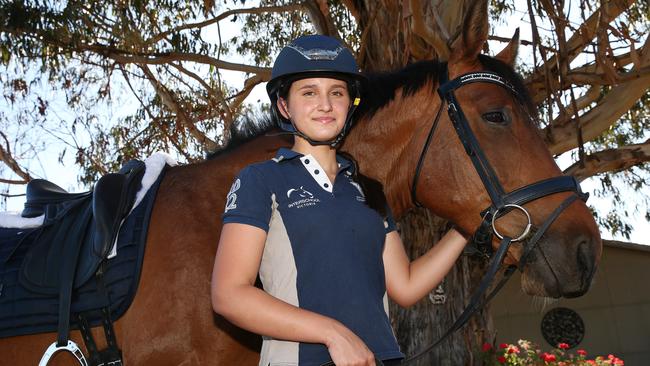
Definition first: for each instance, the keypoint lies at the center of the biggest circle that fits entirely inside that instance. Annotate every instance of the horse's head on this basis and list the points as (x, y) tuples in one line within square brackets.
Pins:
[(563, 261)]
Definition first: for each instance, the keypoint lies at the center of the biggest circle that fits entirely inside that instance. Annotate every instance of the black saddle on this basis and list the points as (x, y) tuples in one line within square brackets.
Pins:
[(46, 273), (77, 227)]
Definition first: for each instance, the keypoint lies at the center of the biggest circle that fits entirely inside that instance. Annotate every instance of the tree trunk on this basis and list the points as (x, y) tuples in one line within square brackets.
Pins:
[(395, 33), (429, 319)]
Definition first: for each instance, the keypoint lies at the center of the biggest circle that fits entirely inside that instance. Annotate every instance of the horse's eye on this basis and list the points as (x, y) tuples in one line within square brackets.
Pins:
[(497, 117)]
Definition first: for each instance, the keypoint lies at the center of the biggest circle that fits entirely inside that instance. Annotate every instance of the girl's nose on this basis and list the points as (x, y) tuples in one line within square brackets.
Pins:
[(324, 103)]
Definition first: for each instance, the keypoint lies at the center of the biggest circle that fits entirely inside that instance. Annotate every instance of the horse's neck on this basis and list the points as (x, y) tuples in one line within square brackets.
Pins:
[(387, 145)]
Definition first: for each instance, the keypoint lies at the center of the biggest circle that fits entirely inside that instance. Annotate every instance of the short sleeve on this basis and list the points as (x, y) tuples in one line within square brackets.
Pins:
[(389, 221), (249, 200)]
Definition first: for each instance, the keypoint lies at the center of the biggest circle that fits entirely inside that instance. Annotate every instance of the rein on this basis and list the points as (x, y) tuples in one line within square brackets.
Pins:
[(502, 202)]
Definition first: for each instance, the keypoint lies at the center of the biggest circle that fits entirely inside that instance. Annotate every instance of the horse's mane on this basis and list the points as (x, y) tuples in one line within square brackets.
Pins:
[(246, 128), (381, 87), (379, 91)]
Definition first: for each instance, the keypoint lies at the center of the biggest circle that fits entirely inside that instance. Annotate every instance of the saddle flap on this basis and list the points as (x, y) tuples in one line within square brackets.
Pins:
[(56, 245), (114, 195)]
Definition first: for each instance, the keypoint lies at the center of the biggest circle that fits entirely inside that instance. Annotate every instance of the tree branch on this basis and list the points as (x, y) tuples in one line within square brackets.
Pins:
[(211, 92), (249, 84), (13, 181), (319, 14), (421, 29), (561, 135), (224, 15), (610, 160), (171, 103), (8, 159), (169, 57), (11, 195), (580, 39)]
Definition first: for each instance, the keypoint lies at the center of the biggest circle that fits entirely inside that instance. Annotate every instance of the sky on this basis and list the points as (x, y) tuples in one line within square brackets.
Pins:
[(48, 167)]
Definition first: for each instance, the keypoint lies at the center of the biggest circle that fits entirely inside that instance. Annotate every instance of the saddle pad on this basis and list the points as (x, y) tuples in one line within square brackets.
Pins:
[(26, 312)]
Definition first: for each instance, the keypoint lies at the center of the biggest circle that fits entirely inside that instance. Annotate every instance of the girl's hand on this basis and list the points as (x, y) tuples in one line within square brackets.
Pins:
[(346, 349)]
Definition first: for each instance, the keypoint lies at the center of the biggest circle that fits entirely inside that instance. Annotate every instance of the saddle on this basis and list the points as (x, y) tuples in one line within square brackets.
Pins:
[(59, 275)]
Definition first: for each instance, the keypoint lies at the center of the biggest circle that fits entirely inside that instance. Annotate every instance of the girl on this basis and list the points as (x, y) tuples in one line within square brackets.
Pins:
[(326, 259)]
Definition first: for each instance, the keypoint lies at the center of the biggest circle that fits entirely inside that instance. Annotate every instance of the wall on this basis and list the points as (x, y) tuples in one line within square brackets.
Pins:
[(615, 312)]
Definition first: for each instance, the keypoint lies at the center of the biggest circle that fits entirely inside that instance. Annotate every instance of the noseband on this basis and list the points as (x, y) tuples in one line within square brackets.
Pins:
[(502, 202)]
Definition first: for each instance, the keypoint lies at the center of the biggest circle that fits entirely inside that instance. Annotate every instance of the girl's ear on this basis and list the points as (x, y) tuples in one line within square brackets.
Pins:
[(283, 108)]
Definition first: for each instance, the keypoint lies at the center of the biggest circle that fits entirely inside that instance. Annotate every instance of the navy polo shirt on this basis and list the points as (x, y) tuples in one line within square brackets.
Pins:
[(323, 250)]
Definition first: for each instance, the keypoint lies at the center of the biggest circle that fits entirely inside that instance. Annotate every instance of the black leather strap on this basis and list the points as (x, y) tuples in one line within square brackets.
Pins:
[(530, 245), (69, 266), (464, 132), (546, 187), (423, 154)]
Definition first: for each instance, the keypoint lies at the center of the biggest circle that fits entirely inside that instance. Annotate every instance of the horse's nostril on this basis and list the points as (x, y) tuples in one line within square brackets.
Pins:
[(586, 263)]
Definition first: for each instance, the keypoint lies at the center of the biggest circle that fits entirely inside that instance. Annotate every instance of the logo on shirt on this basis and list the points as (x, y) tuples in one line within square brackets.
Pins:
[(303, 193), (302, 198), (231, 199)]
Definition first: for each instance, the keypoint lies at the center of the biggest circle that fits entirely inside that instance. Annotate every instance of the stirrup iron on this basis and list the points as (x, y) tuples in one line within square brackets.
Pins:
[(70, 347)]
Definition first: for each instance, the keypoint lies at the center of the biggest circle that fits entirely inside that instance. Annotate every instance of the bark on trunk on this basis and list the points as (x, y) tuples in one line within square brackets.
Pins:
[(425, 322)]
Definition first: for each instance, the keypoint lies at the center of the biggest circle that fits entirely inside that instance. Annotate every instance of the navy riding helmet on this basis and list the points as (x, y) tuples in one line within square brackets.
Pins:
[(314, 56)]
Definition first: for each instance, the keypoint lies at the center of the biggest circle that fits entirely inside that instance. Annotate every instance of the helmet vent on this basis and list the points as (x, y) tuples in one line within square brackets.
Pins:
[(317, 53)]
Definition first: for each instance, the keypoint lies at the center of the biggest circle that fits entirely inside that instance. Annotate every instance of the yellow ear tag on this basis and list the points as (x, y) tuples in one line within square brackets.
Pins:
[(357, 101)]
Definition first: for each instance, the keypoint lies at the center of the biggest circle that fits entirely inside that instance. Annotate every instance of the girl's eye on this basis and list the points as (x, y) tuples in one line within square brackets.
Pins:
[(496, 117)]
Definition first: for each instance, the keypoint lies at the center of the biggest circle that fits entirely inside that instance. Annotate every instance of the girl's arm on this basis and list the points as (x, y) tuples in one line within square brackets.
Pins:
[(406, 281), (235, 296)]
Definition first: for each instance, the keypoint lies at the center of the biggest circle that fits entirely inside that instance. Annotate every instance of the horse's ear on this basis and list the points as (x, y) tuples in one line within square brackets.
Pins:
[(509, 54), (474, 33)]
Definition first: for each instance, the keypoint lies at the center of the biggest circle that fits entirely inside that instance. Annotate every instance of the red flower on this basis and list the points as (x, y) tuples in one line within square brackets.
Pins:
[(513, 349), (563, 346), (487, 347), (547, 357), (581, 352), (501, 359), (504, 345), (617, 361)]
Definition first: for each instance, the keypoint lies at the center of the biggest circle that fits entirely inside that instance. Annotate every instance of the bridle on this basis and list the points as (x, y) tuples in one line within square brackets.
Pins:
[(502, 202)]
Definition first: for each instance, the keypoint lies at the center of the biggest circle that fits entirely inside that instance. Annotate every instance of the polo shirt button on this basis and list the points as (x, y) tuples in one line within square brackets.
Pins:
[(316, 171), (326, 185), (306, 161)]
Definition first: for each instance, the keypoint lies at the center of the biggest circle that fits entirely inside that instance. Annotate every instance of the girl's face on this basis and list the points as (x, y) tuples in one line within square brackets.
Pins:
[(317, 106)]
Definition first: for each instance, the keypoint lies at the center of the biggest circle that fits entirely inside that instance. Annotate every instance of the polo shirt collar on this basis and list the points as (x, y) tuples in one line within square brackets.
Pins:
[(287, 154)]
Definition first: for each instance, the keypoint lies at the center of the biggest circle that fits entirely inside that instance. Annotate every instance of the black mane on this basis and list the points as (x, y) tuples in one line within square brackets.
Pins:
[(379, 90), (245, 129), (381, 87)]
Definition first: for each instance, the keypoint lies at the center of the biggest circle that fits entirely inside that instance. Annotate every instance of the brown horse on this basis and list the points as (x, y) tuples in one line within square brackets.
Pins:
[(171, 321)]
